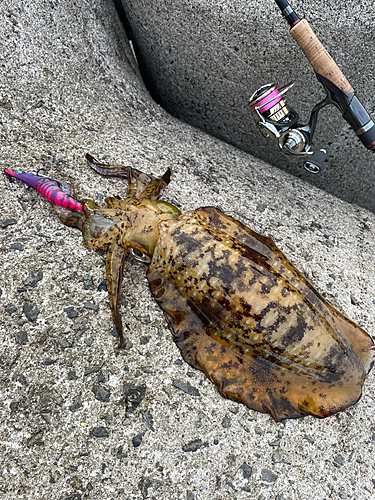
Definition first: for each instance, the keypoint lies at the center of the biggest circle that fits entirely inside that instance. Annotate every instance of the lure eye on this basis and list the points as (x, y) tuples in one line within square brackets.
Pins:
[(140, 256)]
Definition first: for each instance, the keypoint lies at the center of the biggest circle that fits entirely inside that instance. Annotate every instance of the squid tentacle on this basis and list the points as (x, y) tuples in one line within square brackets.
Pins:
[(115, 269), (107, 170), (138, 182)]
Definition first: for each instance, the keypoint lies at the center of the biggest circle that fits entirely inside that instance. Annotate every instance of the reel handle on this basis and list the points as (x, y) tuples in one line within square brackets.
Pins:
[(317, 55)]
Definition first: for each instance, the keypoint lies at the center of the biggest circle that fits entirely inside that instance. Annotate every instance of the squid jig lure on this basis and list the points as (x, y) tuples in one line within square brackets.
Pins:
[(237, 308)]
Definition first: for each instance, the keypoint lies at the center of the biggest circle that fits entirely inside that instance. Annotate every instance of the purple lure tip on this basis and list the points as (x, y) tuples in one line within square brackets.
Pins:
[(29, 179)]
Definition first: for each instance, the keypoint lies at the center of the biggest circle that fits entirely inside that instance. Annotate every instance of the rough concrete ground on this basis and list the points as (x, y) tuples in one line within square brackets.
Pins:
[(78, 419), (184, 48)]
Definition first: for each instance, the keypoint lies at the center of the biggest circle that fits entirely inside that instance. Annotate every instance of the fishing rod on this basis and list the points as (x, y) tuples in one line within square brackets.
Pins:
[(277, 121)]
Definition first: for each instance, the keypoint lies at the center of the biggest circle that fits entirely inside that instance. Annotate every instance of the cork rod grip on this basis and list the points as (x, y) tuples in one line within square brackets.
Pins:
[(318, 57)]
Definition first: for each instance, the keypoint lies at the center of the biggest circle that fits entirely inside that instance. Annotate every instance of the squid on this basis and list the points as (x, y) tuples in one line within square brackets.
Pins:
[(238, 310)]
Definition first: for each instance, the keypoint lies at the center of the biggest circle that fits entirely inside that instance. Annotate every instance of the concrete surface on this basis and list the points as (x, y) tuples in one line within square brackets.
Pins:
[(196, 78), (78, 419)]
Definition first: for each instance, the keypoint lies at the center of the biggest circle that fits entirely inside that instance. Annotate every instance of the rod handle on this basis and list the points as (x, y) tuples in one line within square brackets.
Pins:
[(317, 55)]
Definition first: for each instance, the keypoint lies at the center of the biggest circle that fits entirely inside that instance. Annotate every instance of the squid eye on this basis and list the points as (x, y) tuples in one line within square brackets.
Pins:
[(140, 256)]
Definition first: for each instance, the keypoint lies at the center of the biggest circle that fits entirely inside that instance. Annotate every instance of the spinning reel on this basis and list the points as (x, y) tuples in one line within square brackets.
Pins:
[(277, 121)]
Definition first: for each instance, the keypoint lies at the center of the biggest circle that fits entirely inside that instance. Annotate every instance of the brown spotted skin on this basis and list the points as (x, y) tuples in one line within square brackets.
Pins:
[(238, 310), (242, 314)]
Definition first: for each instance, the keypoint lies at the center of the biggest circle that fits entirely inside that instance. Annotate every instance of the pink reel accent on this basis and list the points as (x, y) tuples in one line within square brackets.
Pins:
[(275, 96)]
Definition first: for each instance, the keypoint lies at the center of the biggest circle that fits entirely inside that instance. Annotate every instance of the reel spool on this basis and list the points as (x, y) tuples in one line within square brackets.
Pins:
[(277, 121), (268, 103)]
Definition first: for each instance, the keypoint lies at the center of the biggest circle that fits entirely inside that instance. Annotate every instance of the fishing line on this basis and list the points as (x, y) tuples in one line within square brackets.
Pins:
[(220, 40)]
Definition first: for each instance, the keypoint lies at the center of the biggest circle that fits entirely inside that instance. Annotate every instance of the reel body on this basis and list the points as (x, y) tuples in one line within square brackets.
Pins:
[(277, 121)]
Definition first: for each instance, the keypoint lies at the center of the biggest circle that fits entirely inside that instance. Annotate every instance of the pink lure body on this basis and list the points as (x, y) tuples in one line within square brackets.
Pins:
[(48, 188)]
